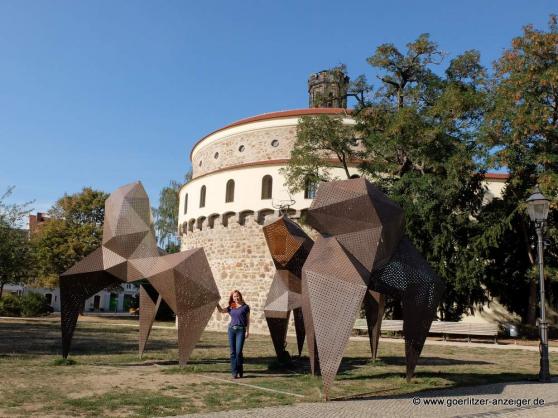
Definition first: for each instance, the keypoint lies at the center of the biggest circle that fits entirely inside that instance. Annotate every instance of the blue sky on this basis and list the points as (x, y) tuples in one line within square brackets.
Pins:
[(102, 93)]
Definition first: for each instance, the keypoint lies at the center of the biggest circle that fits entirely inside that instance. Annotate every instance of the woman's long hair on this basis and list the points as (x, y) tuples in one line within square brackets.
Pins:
[(241, 299)]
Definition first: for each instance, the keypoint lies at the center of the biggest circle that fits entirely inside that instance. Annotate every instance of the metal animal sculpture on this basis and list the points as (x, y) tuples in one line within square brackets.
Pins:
[(289, 247), (129, 253), (360, 256)]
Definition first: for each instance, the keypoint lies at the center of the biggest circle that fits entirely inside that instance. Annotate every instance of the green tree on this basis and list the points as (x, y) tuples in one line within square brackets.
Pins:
[(417, 137), (75, 229), (15, 252), (166, 215), (522, 132), (422, 131), (322, 142)]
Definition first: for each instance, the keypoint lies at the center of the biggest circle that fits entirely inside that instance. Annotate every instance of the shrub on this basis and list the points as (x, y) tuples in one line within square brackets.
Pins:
[(63, 362), (10, 305), (34, 304)]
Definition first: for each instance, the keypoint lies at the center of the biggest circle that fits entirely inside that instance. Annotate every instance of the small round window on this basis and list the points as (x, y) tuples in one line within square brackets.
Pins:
[(275, 143), (241, 148), (216, 155)]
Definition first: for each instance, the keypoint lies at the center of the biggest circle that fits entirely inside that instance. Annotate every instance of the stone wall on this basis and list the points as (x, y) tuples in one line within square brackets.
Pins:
[(257, 147), (239, 259)]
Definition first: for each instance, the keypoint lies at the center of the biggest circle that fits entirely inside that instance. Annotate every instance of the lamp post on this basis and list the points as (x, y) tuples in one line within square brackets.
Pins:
[(537, 208)]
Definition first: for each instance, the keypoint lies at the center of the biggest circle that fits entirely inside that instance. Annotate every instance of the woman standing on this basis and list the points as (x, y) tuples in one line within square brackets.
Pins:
[(238, 330)]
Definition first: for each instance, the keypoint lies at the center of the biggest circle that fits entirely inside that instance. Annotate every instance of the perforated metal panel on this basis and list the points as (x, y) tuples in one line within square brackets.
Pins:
[(362, 255), (361, 217), (128, 253), (289, 247), (374, 306), (409, 278), (333, 286), (150, 300)]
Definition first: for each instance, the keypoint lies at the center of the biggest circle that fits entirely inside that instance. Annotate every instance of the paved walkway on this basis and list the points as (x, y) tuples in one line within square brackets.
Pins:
[(515, 399)]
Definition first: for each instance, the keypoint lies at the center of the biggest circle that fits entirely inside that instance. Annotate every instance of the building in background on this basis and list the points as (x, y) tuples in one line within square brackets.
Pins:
[(237, 186), (119, 299), (36, 222)]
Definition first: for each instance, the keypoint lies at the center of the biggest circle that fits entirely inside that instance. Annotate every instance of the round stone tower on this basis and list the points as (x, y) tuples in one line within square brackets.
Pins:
[(235, 189), (328, 88), (237, 185)]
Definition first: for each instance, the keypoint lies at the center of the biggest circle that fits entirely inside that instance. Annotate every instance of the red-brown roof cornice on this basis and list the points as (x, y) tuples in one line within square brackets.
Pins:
[(496, 176), (278, 115)]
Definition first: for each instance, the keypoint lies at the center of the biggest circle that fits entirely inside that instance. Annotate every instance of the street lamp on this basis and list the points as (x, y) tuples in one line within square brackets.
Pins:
[(537, 208)]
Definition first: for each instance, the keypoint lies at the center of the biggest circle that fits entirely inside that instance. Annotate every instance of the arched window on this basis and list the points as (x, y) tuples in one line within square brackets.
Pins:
[(310, 188), (186, 204), (267, 187), (229, 195), (202, 197)]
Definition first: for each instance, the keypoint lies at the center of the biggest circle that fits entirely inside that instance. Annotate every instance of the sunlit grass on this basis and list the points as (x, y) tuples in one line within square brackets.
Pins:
[(104, 376)]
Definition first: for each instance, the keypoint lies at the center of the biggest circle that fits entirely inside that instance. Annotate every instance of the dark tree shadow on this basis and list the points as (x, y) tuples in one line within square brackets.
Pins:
[(44, 338)]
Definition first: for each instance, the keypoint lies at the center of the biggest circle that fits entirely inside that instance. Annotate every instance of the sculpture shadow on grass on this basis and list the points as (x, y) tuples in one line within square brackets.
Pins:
[(428, 361), (44, 339)]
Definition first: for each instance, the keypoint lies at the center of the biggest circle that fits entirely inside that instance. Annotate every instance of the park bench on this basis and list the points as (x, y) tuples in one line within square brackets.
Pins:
[(440, 327), (465, 328), (388, 325)]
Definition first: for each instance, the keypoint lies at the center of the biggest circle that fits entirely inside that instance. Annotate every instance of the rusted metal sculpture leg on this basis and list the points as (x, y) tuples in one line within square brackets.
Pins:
[(336, 288), (277, 312), (278, 330), (309, 331), (150, 300), (191, 323), (299, 328), (409, 277), (374, 305), (185, 282), (289, 247), (416, 324), (74, 291), (69, 313)]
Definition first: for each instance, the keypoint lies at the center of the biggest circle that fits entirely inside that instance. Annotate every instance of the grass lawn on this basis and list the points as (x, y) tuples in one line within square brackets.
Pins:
[(106, 378)]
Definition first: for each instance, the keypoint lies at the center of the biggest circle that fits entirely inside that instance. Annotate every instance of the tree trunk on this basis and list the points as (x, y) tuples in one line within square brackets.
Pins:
[(1, 288), (346, 169)]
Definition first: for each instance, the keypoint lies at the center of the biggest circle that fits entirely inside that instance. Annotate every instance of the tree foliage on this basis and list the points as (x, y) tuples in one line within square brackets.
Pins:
[(322, 142), (427, 137), (15, 252), (522, 129), (421, 130), (417, 140), (28, 305), (166, 215), (75, 229)]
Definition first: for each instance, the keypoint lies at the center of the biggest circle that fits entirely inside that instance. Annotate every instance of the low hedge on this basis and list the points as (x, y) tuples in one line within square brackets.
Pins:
[(29, 304)]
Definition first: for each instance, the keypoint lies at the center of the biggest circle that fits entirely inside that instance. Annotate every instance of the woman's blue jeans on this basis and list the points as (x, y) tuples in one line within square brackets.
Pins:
[(236, 342)]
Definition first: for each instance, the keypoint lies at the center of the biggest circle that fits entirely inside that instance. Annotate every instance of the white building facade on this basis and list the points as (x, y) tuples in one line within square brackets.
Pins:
[(235, 189), (117, 300)]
